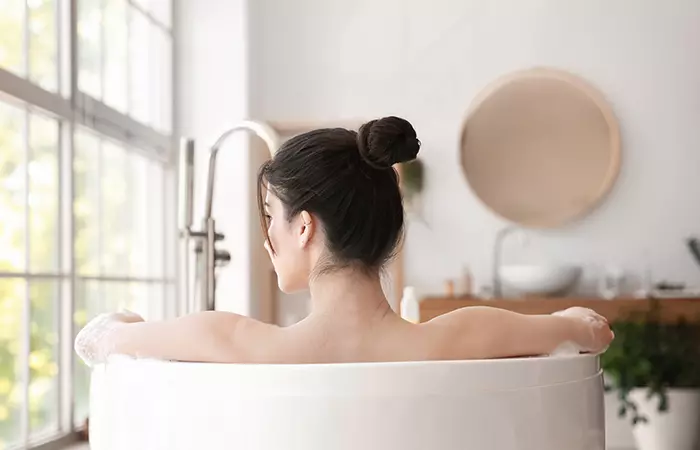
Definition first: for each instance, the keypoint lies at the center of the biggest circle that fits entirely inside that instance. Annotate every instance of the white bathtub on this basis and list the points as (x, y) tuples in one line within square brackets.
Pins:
[(510, 404)]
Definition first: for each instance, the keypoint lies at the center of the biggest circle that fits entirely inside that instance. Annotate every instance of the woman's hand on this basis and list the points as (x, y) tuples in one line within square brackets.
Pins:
[(98, 339), (598, 335)]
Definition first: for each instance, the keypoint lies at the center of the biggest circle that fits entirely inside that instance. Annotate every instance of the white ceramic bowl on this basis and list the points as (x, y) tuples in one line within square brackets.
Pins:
[(542, 280)]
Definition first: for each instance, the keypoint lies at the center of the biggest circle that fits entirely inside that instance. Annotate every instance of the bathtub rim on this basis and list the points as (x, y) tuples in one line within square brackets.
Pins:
[(583, 358), (397, 377)]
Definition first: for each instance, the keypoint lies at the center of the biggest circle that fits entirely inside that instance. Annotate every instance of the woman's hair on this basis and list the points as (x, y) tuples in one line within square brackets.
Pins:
[(347, 180)]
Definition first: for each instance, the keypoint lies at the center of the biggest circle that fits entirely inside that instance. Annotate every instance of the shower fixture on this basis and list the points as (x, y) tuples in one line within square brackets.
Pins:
[(208, 257)]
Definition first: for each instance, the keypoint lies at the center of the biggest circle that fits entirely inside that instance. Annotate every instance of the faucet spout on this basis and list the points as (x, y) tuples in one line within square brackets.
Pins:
[(208, 236), (262, 130)]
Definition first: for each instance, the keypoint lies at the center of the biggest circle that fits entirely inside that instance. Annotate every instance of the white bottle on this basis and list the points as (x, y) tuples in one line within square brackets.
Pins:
[(410, 310)]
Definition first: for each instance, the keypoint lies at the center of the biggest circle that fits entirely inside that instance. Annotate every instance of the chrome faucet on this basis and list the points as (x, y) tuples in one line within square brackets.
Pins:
[(497, 254), (208, 236)]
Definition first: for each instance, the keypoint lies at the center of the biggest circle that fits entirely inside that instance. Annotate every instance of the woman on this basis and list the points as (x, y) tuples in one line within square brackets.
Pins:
[(333, 216)]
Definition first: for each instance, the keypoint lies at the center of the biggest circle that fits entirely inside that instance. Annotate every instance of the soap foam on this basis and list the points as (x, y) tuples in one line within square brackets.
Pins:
[(96, 341), (567, 348)]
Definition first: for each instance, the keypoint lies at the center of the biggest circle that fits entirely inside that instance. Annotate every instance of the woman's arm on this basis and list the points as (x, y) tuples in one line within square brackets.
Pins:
[(484, 332), (202, 337)]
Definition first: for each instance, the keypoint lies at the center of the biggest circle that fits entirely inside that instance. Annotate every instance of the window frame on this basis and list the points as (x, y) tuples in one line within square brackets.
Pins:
[(72, 109)]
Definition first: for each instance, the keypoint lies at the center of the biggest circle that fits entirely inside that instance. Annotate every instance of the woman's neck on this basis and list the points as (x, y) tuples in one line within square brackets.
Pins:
[(348, 293)]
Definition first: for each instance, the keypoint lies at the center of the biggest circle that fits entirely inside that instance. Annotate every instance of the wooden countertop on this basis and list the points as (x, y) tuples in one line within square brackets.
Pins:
[(671, 308)]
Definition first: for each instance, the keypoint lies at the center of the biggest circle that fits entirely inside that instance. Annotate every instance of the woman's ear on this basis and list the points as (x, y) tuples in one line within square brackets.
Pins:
[(307, 229)]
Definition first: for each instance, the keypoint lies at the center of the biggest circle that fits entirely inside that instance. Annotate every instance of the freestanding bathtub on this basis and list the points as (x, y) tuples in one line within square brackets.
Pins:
[(553, 403)]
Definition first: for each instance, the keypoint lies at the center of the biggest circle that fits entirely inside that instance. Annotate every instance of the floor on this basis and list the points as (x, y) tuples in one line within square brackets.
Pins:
[(84, 446)]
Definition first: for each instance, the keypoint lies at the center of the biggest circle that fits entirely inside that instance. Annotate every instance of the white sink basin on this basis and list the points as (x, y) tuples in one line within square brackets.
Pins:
[(540, 280)]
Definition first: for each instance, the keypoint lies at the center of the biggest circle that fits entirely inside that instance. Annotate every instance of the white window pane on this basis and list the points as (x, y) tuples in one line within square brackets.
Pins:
[(81, 391), (138, 299), (86, 203), (139, 216), (170, 301), (12, 295), (114, 295), (12, 36), (115, 57), (115, 212), (139, 67), (156, 228), (156, 302), (43, 194), (161, 80), (12, 189), (89, 47), (145, 299), (43, 43), (170, 226), (88, 304), (43, 357)]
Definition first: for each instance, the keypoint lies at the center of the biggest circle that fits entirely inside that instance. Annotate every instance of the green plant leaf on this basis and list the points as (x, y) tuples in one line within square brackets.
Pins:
[(622, 411), (648, 353)]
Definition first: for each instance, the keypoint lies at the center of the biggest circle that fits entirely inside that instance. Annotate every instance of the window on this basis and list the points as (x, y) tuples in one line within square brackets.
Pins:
[(87, 220)]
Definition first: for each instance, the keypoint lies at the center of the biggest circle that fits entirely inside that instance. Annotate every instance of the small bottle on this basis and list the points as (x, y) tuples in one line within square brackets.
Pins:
[(468, 283), (449, 288), (410, 309)]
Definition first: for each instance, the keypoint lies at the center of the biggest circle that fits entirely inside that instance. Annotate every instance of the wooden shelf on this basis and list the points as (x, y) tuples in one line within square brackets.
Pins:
[(671, 308)]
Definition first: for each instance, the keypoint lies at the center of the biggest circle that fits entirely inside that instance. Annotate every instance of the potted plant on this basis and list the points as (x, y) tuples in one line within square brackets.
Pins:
[(655, 369), (412, 180)]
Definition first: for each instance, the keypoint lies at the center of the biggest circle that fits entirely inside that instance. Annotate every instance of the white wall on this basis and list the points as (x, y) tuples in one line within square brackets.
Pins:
[(213, 96), (333, 59)]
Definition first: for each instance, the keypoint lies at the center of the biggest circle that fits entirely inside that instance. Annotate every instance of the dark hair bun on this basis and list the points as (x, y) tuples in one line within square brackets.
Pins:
[(387, 141)]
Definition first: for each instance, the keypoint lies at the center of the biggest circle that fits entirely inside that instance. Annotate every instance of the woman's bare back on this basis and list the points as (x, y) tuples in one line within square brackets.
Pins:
[(319, 341), (468, 333)]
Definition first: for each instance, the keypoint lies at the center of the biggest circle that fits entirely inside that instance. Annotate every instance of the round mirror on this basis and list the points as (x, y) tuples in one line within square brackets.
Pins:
[(540, 148)]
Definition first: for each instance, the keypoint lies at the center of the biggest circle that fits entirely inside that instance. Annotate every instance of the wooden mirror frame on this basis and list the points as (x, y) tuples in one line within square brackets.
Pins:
[(553, 219)]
